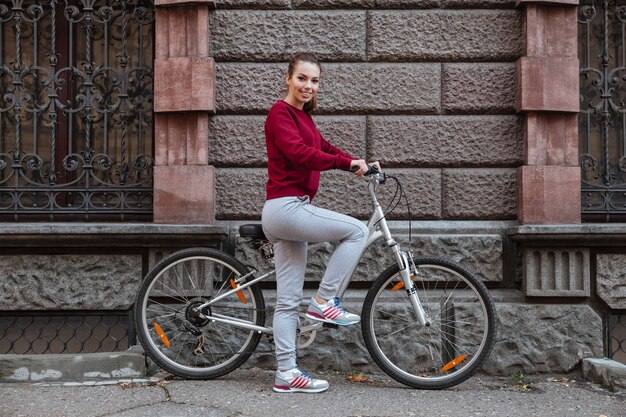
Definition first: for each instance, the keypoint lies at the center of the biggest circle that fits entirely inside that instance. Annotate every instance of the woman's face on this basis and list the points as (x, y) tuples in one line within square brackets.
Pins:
[(303, 83)]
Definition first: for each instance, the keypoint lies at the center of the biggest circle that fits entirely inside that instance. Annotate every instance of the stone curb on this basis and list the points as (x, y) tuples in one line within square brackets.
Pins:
[(58, 368), (606, 372)]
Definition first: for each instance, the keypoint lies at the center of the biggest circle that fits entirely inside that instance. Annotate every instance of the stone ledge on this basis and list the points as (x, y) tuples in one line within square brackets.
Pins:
[(607, 372), (107, 234), (572, 234), (58, 368)]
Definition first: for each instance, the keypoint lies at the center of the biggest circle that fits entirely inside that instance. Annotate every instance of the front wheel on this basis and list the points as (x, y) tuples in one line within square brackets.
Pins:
[(448, 351), (175, 331)]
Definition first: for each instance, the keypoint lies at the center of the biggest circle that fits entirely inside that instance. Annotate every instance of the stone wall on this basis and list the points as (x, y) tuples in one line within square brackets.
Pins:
[(426, 87)]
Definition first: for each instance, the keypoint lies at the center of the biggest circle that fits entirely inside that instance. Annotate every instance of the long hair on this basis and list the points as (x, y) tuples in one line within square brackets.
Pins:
[(311, 105)]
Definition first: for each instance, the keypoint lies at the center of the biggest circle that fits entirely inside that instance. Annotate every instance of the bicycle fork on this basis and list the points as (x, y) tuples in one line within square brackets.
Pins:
[(405, 262)]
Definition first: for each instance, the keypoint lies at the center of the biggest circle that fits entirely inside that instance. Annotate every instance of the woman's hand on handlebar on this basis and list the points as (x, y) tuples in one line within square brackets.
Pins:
[(360, 167)]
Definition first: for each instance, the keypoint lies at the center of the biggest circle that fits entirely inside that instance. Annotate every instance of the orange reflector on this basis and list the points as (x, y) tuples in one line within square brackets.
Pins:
[(400, 284), (239, 293), (454, 362), (162, 336)]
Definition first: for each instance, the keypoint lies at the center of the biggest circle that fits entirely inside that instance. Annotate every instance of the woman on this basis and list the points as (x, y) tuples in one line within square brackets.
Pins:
[(297, 153)]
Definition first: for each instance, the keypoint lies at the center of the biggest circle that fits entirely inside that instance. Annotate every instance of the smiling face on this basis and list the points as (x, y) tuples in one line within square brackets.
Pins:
[(303, 83)]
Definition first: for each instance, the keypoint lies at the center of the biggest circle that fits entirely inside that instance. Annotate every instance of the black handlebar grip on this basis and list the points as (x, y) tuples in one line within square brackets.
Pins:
[(371, 169)]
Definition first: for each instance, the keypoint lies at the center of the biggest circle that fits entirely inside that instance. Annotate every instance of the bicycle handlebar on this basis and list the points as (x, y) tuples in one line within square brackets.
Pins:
[(371, 170)]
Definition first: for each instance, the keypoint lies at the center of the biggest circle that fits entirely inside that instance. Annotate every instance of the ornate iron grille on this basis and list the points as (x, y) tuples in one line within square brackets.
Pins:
[(602, 118), (617, 335), (76, 133), (65, 332)]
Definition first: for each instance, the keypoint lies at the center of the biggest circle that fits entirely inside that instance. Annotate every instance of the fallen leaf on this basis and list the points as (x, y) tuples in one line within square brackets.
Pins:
[(357, 378), (129, 384)]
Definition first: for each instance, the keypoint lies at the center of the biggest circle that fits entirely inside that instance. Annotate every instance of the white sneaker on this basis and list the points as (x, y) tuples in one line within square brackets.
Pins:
[(331, 312), (294, 380)]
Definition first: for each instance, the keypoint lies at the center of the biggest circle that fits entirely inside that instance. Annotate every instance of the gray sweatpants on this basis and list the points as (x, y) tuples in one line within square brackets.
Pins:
[(290, 223)]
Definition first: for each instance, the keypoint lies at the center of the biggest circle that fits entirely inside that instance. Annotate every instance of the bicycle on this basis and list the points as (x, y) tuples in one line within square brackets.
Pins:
[(427, 322)]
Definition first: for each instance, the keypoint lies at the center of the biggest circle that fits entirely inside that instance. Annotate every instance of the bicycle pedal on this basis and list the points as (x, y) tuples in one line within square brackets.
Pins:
[(331, 325)]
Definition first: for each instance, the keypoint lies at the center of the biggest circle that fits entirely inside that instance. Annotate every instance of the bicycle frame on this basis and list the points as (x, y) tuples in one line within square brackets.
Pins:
[(378, 229)]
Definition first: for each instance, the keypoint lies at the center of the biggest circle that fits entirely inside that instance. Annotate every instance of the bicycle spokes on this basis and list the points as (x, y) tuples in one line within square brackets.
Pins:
[(461, 331)]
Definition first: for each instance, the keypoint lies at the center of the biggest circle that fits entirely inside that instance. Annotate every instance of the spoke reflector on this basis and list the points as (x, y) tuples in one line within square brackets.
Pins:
[(162, 335), (454, 362), (400, 284), (239, 293)]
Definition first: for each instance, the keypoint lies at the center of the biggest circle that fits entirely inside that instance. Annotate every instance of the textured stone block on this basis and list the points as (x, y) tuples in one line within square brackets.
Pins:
[(181, 138), (481, 254), (254, 4), (478, 88), (483, 4), (544, 338), (343, 192), (471, 35), (557, 272), (548, 84), (611, 279), (531, 339), (551, 31), (184, 84), (253, 35), (335, 4), (346, 132), (238, 89), (376, 86), (69, 282), (184, 194), (239, 141), (184, 2), (549, 2), (240, 194), (445, 140), (608, 373), (479, 193), (551, 139), (549, 195)]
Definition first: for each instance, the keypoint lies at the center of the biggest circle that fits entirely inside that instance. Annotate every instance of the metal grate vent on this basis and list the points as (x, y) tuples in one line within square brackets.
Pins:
[(65, 332), (617, 335)]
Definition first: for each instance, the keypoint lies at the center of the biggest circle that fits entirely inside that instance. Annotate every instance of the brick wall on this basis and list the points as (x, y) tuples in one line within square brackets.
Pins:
[(426, 87)]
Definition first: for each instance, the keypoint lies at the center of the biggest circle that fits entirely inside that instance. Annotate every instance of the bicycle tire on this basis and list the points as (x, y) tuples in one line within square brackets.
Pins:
[(174, 336), (459, 339)]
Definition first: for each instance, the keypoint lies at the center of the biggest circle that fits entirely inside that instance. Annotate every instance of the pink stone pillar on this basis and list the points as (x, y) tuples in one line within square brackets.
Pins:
[(184, 95), (548, 94)]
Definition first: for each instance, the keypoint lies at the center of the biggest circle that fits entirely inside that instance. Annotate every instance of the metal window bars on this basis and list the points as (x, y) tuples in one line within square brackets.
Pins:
[(76, 130)]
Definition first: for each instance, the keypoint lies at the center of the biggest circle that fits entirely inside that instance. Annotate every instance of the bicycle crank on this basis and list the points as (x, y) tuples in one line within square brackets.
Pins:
[(307, 329)]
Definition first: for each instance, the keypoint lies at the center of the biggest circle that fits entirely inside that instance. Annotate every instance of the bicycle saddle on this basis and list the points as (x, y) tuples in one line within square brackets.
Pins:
[(254, 231)]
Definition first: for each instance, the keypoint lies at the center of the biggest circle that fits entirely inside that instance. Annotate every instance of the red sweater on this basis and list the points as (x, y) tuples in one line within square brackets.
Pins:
[(297, 152)]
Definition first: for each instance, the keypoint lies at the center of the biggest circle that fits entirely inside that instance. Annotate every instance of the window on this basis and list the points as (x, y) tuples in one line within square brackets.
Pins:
[(76, 131), (602, 118)]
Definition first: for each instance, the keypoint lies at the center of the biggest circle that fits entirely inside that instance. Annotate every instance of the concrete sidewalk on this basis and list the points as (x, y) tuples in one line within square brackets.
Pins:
[(248, 393)]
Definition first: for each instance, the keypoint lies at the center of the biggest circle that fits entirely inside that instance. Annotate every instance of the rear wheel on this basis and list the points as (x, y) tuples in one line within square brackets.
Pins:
[(177, 335), (452, 348)]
